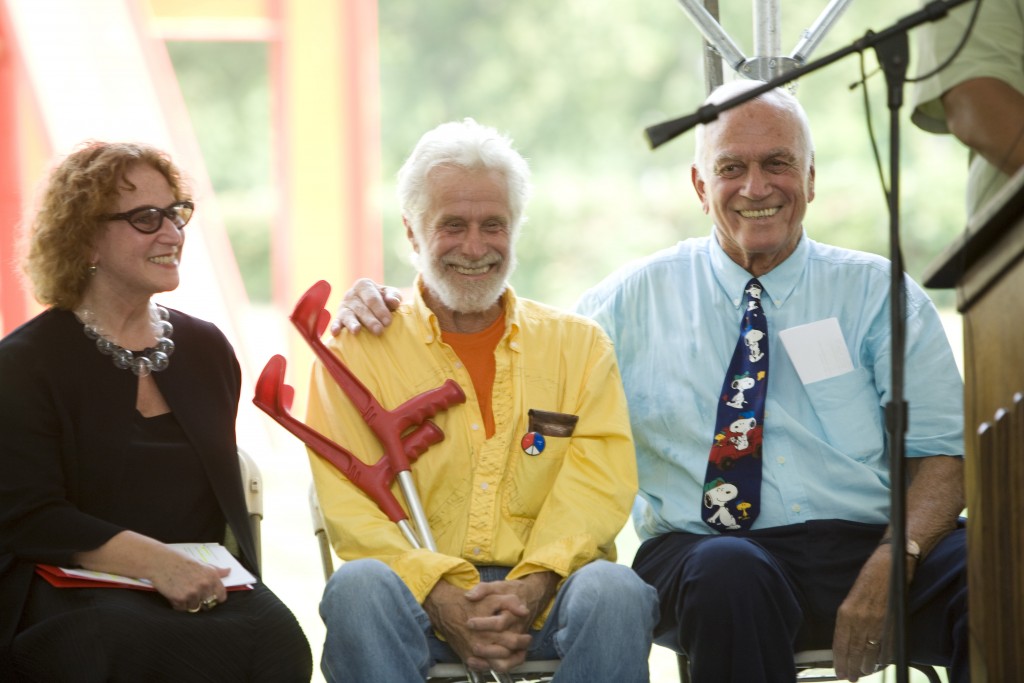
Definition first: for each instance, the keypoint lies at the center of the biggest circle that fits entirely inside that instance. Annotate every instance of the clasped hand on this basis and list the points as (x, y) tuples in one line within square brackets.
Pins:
[(488, 626)]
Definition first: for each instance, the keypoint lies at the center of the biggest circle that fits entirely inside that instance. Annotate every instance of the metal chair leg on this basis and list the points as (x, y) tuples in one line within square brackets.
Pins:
[(809, 659)]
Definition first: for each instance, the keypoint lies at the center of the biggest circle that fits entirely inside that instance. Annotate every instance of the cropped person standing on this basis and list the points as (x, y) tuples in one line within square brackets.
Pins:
[(535, 475), (979, 97), (117, 418)]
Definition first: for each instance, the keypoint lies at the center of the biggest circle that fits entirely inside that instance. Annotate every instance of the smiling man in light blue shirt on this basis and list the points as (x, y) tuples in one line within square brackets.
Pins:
[(823, 454), (813, 571)]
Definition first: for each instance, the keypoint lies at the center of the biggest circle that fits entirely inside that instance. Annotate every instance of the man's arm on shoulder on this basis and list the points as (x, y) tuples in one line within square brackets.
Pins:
[(368, 305), (987, 115)]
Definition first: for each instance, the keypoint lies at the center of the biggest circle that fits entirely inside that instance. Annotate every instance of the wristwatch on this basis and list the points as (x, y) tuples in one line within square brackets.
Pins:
[(913, 549)]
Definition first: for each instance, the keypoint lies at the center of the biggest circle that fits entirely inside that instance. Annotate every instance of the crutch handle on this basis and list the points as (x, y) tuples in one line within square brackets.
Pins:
[(311, 319), (274, 397)]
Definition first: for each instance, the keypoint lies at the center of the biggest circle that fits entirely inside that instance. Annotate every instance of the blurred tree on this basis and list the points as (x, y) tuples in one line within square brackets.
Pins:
[(226, 88), (575, 82)]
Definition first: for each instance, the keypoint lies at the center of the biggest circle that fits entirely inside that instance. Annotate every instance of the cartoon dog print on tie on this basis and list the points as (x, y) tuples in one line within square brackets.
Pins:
[(736, 451), (753, 341), (716, 495), (755, 293), (753, 337), (741, 428), (742, 383)]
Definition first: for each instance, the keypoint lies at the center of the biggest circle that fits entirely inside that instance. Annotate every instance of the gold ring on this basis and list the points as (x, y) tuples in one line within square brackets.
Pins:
[(193, 610), (210, 602)]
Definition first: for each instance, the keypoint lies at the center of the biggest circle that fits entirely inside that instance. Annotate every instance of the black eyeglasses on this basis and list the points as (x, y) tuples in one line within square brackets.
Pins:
[(148, 219)]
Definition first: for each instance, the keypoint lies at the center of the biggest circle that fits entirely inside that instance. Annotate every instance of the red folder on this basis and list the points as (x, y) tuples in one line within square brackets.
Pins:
[(56, 576)]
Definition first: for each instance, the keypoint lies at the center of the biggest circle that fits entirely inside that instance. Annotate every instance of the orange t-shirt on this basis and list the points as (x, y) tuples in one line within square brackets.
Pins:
[(476, 351)]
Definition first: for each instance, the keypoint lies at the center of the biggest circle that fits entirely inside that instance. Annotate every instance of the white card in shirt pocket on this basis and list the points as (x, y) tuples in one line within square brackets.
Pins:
[(818, 350)]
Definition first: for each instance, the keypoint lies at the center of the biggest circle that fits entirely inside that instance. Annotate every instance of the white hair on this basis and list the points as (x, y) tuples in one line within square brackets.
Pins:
[(779, 98), (467, 145)]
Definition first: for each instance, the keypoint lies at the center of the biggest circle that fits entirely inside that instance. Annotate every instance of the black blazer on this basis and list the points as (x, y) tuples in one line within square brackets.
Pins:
[(65, 416)]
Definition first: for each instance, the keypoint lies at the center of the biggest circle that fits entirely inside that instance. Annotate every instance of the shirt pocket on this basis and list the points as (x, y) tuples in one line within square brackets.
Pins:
[(534, 475), (848, 409)]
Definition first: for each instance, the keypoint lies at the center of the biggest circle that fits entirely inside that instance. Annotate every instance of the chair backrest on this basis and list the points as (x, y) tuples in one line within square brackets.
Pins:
[(252, 485), (320, 529)]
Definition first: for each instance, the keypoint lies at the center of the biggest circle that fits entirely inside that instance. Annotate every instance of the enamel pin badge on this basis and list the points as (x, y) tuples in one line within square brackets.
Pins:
[(533, 443)]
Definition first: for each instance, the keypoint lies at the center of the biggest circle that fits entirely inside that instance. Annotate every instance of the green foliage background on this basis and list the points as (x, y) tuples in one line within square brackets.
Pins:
[(575, 82)]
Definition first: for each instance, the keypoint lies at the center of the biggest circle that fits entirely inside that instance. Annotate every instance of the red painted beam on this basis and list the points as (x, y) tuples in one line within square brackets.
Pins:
[(13, 306)]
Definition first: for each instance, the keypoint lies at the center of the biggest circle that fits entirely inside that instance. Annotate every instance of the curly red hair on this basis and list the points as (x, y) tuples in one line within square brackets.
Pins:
[(81, 189)]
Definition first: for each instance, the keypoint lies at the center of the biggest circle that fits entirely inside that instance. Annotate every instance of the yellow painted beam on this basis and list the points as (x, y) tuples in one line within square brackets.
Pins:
[(313, 120), (324, 76), (194, 9), (212, 20)]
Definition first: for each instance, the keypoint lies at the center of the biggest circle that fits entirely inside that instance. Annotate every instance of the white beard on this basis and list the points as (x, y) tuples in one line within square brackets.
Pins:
[(462, 296)]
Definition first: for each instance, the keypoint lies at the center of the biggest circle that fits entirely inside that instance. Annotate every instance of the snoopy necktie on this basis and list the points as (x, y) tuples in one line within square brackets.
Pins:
[(732, 484)]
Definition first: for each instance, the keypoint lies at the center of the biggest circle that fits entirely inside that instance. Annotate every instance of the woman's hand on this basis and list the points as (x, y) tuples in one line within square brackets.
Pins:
[(187, 584), (190, 585)]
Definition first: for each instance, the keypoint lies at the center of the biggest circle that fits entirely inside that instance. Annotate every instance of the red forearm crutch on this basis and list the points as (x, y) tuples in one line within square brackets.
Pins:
[(405, 432), (274, 397)]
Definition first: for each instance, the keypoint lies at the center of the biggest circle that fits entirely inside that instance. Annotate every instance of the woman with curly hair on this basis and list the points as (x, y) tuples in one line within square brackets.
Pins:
[(117, 429)]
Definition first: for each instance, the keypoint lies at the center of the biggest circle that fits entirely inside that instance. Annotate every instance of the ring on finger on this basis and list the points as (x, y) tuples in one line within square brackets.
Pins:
[(209, 603)]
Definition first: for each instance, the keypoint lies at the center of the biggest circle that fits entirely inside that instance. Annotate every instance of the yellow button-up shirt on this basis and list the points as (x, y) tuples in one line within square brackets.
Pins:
[(488, 501)]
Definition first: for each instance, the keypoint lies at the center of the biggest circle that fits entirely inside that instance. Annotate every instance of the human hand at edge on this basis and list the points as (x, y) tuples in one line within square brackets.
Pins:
[(861, 640), (368, 305)]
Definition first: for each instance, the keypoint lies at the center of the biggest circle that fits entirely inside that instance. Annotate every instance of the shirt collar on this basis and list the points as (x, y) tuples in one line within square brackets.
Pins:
[(779, 282)]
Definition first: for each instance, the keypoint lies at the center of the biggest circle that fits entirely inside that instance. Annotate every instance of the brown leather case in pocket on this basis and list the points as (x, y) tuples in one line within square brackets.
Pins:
[(552, 424)]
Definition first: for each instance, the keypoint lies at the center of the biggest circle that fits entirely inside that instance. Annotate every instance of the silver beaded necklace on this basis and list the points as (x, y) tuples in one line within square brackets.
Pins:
[(155, 359)]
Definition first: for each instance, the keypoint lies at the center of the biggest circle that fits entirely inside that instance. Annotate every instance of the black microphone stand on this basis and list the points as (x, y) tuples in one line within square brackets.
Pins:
[(893, 54), (891, 48)]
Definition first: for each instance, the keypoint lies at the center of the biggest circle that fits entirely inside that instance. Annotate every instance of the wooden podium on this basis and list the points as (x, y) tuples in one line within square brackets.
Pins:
[(986, 266)]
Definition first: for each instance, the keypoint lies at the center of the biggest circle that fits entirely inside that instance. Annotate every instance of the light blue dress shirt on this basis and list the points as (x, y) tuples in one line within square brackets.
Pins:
[(674, 320)]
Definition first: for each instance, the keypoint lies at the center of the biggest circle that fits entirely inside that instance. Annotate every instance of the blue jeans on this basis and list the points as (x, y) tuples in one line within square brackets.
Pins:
[(600, 626)]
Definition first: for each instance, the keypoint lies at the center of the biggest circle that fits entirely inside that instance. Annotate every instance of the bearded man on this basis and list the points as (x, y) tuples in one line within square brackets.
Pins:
[(535, 476)]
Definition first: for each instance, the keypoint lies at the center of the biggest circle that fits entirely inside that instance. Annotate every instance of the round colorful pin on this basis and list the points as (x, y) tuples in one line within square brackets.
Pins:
[(533, 443)]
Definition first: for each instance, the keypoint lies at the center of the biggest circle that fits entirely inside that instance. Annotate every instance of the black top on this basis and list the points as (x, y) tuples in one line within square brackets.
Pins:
[(69, 438), (162, 491)]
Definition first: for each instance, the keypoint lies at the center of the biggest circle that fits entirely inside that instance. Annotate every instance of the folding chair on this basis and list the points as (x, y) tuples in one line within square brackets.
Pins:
[(538, 671), (252, 486), (811, 665)]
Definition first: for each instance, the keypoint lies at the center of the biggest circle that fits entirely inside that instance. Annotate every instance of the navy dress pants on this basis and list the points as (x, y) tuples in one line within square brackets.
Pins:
[(739, 605)]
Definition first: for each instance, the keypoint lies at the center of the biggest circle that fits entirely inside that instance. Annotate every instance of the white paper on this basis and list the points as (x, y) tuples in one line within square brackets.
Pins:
[(208, 553), (818, 350)]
